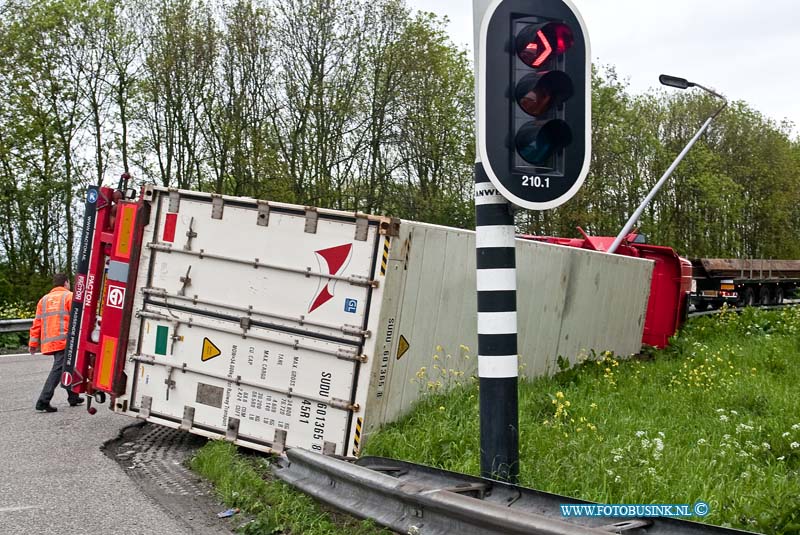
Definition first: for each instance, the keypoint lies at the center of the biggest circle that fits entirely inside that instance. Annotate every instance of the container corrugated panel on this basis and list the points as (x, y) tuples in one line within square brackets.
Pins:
[(570, 302)]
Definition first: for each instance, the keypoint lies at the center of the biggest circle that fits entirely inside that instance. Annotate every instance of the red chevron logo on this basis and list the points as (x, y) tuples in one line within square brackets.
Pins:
[(335, 259)]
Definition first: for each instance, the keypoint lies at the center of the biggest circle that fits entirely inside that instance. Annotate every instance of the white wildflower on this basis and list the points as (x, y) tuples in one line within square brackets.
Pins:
[(640, 434), (659, 444), (735, 413), (661, 434), (782, 457), (617, 479), (651, 471), (786, 434), (617, 458), (645, 443), (723, 418), (745, 474), (701, 442), (610, 472), (766, 446), (796, 427), (794, 445)]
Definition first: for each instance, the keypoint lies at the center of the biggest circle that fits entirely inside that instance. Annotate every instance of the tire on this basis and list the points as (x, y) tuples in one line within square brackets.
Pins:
[(748, 297), (778, 295), (764, 296)]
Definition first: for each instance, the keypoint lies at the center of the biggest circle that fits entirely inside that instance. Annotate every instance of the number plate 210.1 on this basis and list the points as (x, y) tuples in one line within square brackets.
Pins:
[(536, 182)]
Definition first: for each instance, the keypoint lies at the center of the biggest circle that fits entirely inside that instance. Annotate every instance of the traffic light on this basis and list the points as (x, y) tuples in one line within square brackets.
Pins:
[(534, 101)]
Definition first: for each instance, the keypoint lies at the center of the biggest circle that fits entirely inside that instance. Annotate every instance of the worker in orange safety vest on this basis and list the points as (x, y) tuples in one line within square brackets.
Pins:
[(49, 334)]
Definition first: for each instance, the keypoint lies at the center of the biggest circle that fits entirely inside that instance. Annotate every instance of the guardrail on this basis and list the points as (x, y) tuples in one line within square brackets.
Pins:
[(415, 499), (15, 326)]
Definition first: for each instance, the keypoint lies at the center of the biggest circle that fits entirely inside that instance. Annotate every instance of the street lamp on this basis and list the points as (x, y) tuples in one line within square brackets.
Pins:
[(680, 83)]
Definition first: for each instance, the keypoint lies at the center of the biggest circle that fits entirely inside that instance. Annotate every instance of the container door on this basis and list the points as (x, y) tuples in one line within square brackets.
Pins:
[(253, 319)]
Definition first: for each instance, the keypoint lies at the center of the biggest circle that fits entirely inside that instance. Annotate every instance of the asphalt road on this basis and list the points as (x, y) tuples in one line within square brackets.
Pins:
[(54, 479)]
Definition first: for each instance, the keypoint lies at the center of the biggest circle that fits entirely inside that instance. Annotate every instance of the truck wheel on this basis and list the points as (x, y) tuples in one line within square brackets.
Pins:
[(749, 298), (763, 296), (779, 296)]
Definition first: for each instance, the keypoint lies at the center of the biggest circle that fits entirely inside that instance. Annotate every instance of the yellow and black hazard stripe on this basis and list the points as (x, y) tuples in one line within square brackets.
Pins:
[(357, 437), (385, 259)]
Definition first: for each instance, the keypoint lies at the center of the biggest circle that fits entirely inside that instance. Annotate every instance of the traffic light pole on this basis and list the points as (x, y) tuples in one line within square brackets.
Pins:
[(497, 317), (497, 331)]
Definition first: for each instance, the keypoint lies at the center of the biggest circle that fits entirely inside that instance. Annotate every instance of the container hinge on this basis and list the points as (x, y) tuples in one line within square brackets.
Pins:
[(344, 405), (244, 323), (348, 354), (157, 292), (279, 442), (354, 330), (190, 235), (358, 280), (169, 381), (188, 418), (311, 220), (329, 448), (232, 433), (390, 226), (144, 409), (263, 214), (362, 228), (186, 280), (174, 200), (175, 336), (217, 205)]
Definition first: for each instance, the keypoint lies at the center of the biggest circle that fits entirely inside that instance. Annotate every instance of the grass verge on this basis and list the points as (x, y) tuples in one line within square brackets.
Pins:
[(273, 506), (714, 417)]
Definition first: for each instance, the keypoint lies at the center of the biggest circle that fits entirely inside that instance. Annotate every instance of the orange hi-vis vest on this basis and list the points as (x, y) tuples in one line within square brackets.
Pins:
[(49, 330)]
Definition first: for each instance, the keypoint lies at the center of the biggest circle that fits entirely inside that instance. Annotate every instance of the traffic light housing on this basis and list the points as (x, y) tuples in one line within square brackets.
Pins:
[(534, 100)]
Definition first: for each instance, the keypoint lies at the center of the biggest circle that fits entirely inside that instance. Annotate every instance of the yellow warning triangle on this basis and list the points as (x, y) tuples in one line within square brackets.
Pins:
[(209, 350), (402, 347)]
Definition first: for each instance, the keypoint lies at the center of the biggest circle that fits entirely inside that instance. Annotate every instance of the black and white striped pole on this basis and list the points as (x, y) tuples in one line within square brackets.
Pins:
[(533, 118), (497, 330)]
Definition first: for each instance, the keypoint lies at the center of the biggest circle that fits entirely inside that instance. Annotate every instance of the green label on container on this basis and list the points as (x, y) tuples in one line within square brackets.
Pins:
[(161, 339)]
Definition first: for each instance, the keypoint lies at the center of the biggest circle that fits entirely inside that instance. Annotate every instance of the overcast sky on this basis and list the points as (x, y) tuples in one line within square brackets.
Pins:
[(746, 49)]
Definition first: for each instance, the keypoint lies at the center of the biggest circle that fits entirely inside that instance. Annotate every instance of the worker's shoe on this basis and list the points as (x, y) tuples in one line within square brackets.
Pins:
[(75, 402), (46, 407)]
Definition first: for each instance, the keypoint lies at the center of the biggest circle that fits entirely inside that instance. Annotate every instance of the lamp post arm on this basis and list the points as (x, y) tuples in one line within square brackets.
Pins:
[(635, 217)]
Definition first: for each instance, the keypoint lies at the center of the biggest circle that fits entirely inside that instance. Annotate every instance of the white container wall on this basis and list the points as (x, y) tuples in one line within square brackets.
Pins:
[(569, 302)]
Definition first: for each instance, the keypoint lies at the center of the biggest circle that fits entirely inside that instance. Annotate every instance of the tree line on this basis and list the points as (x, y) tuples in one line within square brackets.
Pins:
[(344, 104)]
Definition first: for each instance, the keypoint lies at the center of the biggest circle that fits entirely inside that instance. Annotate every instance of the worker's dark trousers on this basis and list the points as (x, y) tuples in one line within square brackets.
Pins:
[(54, 379)]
